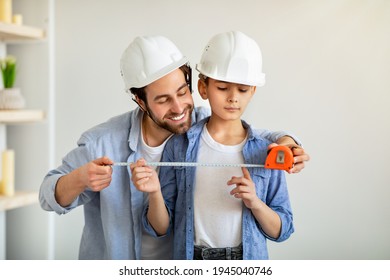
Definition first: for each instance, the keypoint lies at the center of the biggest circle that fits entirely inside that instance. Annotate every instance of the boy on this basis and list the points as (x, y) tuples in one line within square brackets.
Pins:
[(219, 213)]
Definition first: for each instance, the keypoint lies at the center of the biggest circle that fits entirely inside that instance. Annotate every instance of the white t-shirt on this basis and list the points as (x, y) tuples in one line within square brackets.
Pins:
[(217, 214), (154, 248)]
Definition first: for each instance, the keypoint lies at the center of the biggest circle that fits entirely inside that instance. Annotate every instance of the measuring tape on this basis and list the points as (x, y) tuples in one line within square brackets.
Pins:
[(193, 164), (279, 157)]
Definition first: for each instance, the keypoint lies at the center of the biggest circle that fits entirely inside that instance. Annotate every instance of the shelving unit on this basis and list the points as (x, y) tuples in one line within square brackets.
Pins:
[(15, 34), (20, 116), (20, 199)]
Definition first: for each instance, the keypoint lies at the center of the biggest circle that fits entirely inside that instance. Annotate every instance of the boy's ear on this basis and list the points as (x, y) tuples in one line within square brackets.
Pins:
[(202, 89), (253, 90)]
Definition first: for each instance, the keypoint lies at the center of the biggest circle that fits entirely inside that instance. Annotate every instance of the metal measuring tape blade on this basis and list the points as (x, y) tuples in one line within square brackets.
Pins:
[(279, 157)]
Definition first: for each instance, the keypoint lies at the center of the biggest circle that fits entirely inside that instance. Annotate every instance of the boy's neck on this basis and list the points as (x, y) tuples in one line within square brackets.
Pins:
[(226, 132)]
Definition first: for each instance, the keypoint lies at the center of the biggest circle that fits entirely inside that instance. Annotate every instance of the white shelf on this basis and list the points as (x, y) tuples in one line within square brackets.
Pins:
[(20, 116), (16, 33), (19, 199)]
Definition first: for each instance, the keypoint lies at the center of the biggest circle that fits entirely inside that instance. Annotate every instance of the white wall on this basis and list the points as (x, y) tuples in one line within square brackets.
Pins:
[(327, 65)]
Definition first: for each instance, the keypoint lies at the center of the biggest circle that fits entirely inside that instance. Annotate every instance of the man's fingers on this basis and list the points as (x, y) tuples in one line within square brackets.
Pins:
[(103, 161), (100, 183), (297, 168), (270, 146)]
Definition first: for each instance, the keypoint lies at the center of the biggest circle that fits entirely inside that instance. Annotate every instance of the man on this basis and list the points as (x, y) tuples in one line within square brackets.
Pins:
[(150, 66)]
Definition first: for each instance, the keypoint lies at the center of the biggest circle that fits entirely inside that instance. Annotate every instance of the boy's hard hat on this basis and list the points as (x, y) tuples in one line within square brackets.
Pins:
[(148, 59), (232, 57)]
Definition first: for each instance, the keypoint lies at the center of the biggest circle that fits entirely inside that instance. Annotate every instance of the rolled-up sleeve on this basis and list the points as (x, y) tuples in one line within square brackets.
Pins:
[(273, 136), (279, 201), (47, 195), (74, 159)]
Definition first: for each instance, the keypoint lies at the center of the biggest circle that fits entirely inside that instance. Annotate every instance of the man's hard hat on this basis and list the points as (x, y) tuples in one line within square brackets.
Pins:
[(232, 57), (148, 59)]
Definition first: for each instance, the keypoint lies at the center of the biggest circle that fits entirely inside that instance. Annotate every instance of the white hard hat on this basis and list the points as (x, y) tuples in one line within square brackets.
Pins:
[(232, 57), (148, 59)]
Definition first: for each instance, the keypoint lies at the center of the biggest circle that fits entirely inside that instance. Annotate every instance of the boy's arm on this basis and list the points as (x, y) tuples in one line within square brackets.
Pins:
[(268, 219), (145, 179), (157, 213), (245, 189)]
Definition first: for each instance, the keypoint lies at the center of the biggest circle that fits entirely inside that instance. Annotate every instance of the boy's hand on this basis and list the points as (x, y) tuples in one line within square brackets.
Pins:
[(144, 177), (245, 189)]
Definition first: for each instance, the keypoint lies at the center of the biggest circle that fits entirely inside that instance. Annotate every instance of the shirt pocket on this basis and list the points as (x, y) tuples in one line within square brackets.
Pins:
[(261, 178)]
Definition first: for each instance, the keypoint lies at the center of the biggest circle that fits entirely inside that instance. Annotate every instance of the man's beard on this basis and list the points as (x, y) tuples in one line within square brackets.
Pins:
[(176, 129)]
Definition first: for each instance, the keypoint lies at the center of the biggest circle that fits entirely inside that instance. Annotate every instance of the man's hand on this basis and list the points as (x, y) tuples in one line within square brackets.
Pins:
[(300, 156), (96, 174)]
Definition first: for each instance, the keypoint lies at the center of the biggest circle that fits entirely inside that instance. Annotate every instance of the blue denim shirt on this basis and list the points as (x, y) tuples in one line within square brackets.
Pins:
[(177, 185)]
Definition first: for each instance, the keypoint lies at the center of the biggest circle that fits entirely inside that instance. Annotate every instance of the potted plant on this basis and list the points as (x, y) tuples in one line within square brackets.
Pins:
[(10, 97)]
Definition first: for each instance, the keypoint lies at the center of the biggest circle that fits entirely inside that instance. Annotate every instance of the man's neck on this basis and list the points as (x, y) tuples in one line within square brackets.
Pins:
[(153, 135)]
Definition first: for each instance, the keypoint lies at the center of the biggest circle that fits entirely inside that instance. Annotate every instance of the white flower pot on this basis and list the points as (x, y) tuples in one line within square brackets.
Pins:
[(11, 98)]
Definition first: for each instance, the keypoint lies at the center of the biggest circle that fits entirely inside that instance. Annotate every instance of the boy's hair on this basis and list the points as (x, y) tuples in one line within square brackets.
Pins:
[(141, 94), (204, 78)]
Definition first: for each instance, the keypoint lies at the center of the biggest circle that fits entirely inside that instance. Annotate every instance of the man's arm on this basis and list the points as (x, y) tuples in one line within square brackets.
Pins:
[(95, 175), (281, 138)]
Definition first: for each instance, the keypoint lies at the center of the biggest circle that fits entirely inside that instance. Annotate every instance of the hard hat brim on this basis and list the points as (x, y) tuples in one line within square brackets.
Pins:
[(158, 75), (258, 83)]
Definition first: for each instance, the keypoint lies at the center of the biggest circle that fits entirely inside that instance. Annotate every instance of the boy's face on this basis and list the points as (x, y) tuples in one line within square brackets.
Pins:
[(227, 100), (169, 102)]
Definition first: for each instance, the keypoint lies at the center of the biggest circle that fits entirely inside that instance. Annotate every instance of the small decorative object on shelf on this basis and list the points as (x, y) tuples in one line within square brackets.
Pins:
[(17, 19), (7, 183), (10, 97), (6, 11)]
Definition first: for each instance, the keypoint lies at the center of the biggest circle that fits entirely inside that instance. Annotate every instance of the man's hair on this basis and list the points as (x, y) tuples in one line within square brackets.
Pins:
[(186, 69)]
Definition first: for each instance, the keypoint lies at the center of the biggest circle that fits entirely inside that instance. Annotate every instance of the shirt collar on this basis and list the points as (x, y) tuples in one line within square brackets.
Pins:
[(135, 128), (196, 130)]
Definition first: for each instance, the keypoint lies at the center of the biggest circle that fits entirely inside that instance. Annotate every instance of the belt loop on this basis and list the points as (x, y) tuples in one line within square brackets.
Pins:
[(204, 253), (228, 253)]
